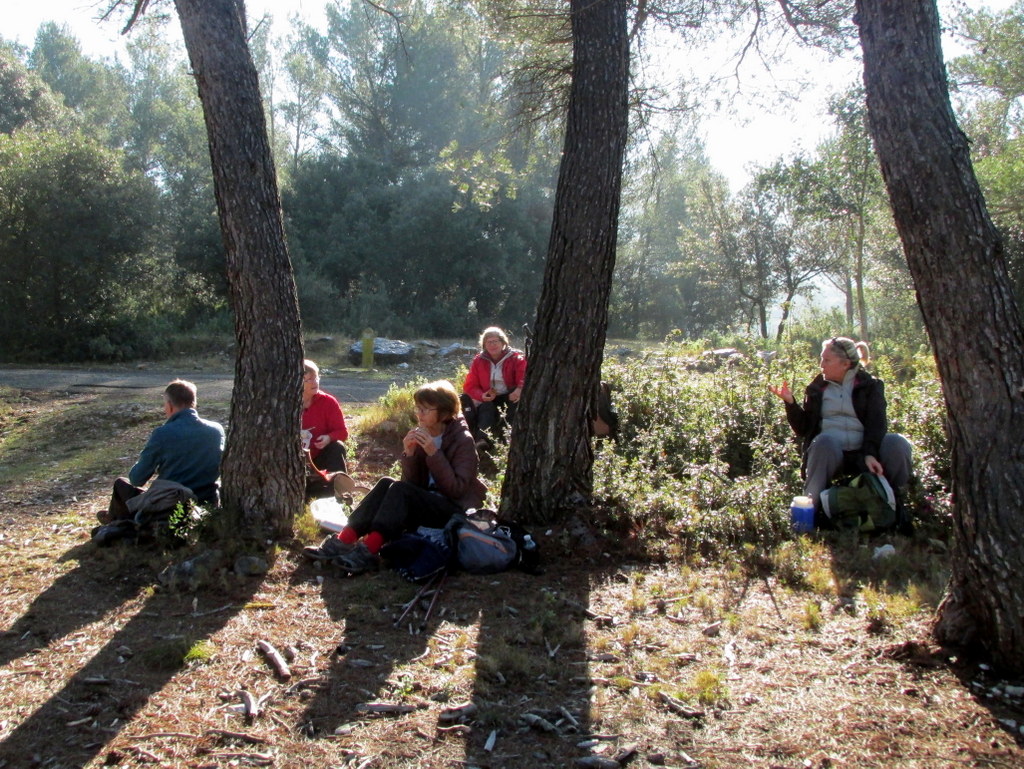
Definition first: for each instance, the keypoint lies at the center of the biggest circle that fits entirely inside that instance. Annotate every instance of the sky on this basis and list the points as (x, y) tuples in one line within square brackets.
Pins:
[(755, 131)]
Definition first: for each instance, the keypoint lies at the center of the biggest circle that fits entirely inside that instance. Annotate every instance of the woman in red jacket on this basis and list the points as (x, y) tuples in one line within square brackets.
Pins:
[(439, 479), (323, 424), (493, 385)]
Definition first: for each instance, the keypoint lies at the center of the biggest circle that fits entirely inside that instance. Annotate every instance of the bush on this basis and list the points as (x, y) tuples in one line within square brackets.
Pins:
[(705, 459)]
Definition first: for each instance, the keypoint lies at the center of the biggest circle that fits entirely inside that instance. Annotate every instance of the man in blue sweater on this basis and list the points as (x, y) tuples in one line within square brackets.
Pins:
[(185, 449)]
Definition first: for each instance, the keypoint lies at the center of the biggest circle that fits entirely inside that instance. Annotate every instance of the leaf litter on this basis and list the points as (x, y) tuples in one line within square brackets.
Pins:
[(601, 661)]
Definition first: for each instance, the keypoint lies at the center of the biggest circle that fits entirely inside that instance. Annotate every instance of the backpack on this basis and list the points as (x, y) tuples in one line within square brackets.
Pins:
[(485, 547), (866, 504)]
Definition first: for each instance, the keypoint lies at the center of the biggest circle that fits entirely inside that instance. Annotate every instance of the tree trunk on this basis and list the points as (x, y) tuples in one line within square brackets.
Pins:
[(262, 472), (550, 465), (862, 305), (955, 256)]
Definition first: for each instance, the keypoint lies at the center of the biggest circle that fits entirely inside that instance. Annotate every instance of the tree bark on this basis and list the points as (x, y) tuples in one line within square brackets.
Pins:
[(550, 466), (956, 259), (262, 471)]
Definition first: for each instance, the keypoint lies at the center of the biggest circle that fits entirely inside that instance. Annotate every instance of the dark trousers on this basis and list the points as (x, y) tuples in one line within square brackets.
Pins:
[(123, 491), (394, 507), (331, 458), (488, 419)]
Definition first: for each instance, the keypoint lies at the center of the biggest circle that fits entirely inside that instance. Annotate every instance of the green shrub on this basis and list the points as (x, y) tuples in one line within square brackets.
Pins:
[(706, 461)]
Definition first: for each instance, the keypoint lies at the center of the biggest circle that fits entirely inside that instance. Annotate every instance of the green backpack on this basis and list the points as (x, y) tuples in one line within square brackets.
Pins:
[(866, 504)]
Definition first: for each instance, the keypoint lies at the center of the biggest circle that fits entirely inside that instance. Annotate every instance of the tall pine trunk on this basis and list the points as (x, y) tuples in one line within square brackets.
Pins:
[(550, 465), (956, 259), (261, 470)]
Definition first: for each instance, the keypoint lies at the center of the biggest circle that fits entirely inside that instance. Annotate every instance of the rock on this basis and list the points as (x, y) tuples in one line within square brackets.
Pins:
[(251, 566), (767, 355), (621, 352), (191, 574), (386, 352), (456, 349), (885, 551)]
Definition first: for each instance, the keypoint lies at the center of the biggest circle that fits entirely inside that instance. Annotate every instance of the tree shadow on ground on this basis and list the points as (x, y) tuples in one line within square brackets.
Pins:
[(106, 577), (503, 654), (532, 683), (373, 661), (116, 680), (917, 566)]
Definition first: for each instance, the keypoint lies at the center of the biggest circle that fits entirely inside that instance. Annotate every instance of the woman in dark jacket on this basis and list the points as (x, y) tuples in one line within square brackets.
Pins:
[(439, 479), (843, 423)]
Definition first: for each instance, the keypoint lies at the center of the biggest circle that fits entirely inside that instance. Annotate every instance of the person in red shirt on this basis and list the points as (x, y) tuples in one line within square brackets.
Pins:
[(493, 385), (324, 422)]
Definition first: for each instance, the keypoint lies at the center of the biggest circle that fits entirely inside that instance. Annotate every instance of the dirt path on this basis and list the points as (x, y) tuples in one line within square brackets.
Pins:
[(352, 389)]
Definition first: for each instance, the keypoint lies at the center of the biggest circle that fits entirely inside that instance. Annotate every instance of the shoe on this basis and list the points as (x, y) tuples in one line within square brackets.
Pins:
[(109, 533), (358, 560), (331, 547)]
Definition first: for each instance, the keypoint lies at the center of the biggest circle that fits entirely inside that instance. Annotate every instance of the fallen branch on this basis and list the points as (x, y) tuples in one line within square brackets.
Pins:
[(275, 659), (460, 728), (238, 736), (597, 762), (260, 759), (251, 706), (677, 706), (151, 735), (206, 613), (458, 713), (143, 754), (384, 708), (569, 717), (538, 722), (101, 681)]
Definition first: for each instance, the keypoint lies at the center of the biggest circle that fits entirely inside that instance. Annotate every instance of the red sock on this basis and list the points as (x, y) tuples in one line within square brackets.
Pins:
[(348, 535), (374, 541)]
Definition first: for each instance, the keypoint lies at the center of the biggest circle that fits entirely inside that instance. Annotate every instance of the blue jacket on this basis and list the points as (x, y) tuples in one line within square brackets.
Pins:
[(184, 449)]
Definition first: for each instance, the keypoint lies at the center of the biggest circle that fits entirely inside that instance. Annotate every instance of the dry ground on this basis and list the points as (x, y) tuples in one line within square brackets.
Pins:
[(598, 662)]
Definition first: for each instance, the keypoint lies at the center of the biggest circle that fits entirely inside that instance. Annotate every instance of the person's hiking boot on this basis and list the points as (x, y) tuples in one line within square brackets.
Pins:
[(358, 560), (109, 533), (331, 547)]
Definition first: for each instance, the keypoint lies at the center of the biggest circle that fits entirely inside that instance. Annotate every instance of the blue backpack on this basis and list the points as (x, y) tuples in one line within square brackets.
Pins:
[(483, 546)]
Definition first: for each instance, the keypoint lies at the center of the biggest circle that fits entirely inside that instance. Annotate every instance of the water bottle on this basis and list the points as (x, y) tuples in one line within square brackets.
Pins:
[(801, 513)]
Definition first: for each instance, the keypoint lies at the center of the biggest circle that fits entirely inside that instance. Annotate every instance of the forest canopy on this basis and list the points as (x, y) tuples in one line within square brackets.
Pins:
[(417, 154)]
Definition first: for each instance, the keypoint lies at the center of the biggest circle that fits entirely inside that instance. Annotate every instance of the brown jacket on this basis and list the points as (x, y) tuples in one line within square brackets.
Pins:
[(454, 467)]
